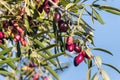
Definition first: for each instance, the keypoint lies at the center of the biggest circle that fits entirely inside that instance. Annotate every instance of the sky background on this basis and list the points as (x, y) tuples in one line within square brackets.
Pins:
[(107, 36)]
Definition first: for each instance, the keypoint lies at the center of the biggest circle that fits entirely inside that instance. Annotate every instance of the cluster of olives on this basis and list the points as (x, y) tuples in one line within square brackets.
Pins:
[(13, 30), (74, 47), (46, 6)]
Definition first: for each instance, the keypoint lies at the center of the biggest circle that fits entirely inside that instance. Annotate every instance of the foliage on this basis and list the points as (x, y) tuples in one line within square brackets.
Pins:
[(34, 33)]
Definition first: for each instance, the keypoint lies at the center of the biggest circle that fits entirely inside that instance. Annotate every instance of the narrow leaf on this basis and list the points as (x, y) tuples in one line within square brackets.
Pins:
[(99, 60), (6, 73), (46, 57), (52, 72), (111, 9), (96, 77), (42, 46), (103, 50), (98, 16), (93, 77), (88, 74), (8, 60), (69, 6), (48, 47), (54, 56), (11, 64), (105, 75), (2, 46), (5, 51), (113, 67)]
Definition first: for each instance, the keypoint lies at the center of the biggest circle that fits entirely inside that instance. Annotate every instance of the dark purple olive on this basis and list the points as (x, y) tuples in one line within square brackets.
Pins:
[(77, 48), (63, 26), (31, 64), (85, 54)]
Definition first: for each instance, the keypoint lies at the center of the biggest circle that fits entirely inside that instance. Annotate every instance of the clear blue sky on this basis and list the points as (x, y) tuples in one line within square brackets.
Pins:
[(106, 36)]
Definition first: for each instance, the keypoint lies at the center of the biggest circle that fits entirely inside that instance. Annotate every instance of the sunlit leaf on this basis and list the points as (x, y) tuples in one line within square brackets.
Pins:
[(113, 67), (93, 77), (88, 74), (69, 6), (99, 60), (2, 46), (48, 47), (8, 60), (96, 77), (76, 1), (6, 73), (46, 57), (42, 46), (108, 9), (5, 51), (98, 17), (103, 50), (105, 75), (54, 56)]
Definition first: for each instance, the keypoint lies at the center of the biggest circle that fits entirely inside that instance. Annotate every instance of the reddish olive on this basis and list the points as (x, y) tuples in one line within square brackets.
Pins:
[(69, 40), (47, 8), (17, 38), (78, 59), (70, 47), (77, 48), (35, 76), (57, 17), (31, 64), (1, 35)]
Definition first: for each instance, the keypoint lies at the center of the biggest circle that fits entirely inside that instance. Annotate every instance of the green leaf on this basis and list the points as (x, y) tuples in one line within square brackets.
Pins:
[(5, 51), (6, 73), (2, 46), (48, 47), (103, 50), (69, 6), (93, 77), (113, 67), (105, 75), (42, 46), (26, 23), (76, 1), (11, 64), (98, 17), (88, 74), (8, 60), (109, 9), (54, 56), (52, 72), (46, 57)]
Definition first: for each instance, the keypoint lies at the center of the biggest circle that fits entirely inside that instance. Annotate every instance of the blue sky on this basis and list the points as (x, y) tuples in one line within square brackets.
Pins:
[(107, 37)]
